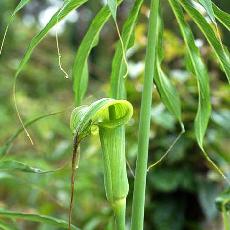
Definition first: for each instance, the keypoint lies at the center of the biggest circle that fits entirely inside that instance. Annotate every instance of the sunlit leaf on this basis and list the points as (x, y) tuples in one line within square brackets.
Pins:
[(209, 33), (166, 89), (204, 106), (68, 6)]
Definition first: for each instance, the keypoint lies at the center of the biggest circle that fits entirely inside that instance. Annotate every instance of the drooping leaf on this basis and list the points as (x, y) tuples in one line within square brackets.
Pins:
[(12, 165), (20, 5), (5, 226), (7, 145), (36, 218), (204, 106), (222, 16), (80, 76), (209, 33), (68, 6), (166, 89), (118, 65), (168, 93)]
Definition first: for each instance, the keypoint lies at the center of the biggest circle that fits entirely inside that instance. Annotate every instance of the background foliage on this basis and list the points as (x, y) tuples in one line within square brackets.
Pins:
[(180, 191)]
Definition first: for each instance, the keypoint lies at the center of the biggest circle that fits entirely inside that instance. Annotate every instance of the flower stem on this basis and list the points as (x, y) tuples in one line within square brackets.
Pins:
[(119, 208)]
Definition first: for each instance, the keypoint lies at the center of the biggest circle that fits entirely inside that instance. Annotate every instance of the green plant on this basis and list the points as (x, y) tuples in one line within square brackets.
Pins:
[(206, 22)]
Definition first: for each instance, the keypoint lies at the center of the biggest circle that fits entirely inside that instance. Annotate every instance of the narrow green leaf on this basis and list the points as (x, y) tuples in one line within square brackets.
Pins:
[(68, 6), (5, 226), (7, 145), (210, 35), (36, 218), (166, 89), (222, 16), (118, 65), (207, 4), (204, 106), (11, 165), (168, 93), (21, 4), (80, 78), (113, 8)]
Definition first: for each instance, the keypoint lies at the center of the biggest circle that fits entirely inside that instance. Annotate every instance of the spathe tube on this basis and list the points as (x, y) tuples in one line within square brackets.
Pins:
[(109, 116)]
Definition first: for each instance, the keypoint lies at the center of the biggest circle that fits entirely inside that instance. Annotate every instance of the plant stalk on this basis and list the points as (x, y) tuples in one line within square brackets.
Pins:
[(144, 125), (119, 208)]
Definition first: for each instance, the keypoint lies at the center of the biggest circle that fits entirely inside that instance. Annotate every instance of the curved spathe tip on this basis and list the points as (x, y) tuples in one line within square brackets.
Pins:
[(106, 112)]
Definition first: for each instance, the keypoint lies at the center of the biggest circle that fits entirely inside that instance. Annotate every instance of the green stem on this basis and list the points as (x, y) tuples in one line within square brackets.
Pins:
[(119, 208), (144, 126), (226, 219)]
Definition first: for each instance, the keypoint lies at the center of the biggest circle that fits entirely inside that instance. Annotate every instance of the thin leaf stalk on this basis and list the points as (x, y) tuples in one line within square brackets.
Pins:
[(144, 126)]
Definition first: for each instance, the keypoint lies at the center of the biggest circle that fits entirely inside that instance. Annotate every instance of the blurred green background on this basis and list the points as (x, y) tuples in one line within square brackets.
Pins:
[(180, 191)]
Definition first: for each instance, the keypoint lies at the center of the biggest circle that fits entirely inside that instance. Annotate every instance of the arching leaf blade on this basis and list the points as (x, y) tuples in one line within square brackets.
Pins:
[(7, 145), (204, 105), (68, 6), (21, 4), (210, 35), (80, 68), (118, 65), (12, 165), (36, 218), (165, 88)]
